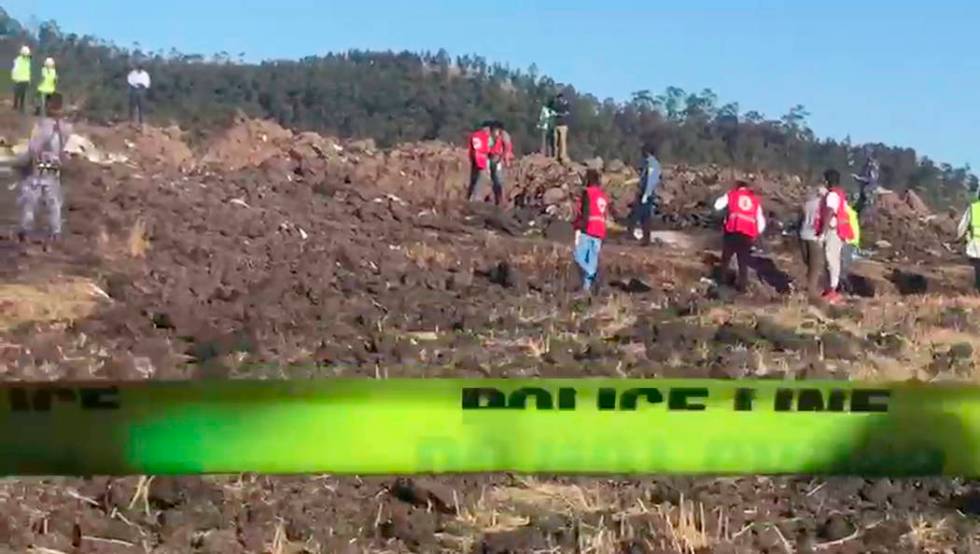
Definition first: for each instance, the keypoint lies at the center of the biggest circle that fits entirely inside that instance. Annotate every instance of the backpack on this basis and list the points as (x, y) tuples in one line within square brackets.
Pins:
[(48, 160)]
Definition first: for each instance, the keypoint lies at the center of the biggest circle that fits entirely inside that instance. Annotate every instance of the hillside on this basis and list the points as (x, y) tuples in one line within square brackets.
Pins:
[(403, 97)]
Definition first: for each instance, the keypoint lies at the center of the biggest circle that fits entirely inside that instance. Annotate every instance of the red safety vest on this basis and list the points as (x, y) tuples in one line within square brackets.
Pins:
[(844, 229), (595, 226), (743, 213), (480, 148)]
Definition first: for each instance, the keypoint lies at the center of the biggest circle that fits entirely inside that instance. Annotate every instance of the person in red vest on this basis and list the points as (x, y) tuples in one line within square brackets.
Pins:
[(744, 222), (590, 228), (834, 225), (501, 156), (479, 148)]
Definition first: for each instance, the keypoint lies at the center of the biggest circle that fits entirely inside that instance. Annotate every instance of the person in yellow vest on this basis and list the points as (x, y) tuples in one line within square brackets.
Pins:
[(969, 229), (850, 249), (48, 84), (20, 75)]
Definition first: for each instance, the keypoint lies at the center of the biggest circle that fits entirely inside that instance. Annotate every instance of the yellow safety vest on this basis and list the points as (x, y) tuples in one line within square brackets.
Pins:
[(855, 225), (21, 73), (49, 80), (975, 219)]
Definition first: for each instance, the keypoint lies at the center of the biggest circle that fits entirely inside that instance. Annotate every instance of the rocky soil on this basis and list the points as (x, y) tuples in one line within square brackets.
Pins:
[(273, 254)]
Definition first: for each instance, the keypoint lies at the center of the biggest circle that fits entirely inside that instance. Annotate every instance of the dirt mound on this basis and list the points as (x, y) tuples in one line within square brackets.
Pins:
[(247, 143), (148, 146)]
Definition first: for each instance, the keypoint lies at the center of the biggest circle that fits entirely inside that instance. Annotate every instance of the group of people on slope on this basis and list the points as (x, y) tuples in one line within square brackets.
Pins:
[(491, 151), (829, 234), (138, 81), (21, 77)]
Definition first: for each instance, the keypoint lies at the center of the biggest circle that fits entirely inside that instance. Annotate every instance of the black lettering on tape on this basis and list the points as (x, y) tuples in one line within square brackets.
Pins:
[(483, 398), (810, 400), (679, 399), (836, 400), (566, 398), (104, 398), (542, 399), (784, 400), (870, 400), (606, 400), (744, 399), (631, 397)]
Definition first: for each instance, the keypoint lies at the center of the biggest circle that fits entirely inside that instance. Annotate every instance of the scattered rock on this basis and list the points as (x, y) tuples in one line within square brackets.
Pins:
[(508, 276), (425, 493), (560, 231), (836, 527), (840, 346)]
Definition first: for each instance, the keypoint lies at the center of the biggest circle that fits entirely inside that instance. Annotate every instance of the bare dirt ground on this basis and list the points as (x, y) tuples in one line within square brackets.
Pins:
[(295, 256)]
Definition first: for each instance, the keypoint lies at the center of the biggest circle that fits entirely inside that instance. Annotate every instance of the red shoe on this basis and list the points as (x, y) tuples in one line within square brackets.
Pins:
[(831, 296)]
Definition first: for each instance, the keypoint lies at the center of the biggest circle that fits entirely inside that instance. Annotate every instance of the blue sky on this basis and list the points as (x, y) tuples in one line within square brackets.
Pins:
[(877, 70)]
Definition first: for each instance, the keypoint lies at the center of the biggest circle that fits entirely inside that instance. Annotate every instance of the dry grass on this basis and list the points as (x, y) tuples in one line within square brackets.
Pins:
[(930, 536), (687, 527), (424, 255), (65, 300), (138, 242), (616, 313)]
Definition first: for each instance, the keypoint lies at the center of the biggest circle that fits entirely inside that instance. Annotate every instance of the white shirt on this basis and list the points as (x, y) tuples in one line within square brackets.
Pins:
[(833, 203), (722, 202), (138, 78)]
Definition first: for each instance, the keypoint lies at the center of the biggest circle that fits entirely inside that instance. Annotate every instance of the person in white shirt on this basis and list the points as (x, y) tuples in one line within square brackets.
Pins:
[(835, 229), (139, 83)]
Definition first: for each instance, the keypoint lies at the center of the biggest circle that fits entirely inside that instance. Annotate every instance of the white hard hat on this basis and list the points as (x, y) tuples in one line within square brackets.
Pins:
[(25, 50), (49, 62)]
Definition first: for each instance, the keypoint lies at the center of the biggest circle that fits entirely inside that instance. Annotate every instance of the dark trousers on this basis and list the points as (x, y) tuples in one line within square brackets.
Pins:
[(976, 272), (642, 216), (813, 257), (739, 246), (20, 96), (497, 180), (548, 142), (136, 95)]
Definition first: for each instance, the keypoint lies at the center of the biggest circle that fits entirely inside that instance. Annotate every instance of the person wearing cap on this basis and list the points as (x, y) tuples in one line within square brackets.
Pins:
[(139, 83), (42, 164), (48, 84), (20, 75)]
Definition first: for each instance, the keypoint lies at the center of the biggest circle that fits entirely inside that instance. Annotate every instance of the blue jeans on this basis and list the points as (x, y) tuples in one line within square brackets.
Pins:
[(587, 258)]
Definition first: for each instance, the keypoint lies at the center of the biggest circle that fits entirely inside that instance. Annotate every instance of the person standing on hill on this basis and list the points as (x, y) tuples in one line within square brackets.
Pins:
[(562, 111), (868, 181), (811, 245), (139, 84), (42, 163), (479, 154), (546, 124), (834, 225), (590, 228), (501, 156), (48, 84), (849, 252), (20, 75), (646, 196), (744, 223), (969, 229)]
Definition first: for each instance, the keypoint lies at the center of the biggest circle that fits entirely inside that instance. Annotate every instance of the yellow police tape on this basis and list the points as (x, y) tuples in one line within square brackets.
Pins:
[(402, 426)]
